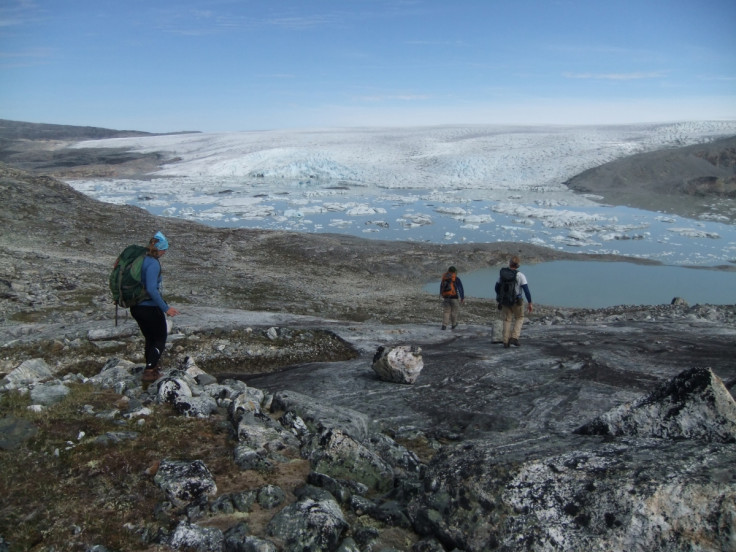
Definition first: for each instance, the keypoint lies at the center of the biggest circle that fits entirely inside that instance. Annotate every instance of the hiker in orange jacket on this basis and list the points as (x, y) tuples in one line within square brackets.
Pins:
[(453, 295)]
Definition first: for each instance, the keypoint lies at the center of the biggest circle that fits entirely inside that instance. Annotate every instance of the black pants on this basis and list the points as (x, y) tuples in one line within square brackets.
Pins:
[(152, 322)]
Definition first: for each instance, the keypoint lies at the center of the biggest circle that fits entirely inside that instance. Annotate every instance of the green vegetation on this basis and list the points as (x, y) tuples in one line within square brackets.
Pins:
[(64, 489)]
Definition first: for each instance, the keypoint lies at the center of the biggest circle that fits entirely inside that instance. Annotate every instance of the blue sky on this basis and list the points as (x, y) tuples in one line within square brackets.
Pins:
[(228, 65)]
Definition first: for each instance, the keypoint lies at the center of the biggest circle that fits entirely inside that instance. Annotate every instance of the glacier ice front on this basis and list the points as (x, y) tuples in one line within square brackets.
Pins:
[(444, 184)]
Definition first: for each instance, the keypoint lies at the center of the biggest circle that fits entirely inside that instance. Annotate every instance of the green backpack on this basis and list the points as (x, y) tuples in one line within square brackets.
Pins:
[(125, 279)]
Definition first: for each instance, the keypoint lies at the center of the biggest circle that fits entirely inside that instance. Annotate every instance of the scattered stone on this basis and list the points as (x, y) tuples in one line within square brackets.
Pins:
[(15, 431), (113, 332), (30, 371), (270, 497), (49, 393)]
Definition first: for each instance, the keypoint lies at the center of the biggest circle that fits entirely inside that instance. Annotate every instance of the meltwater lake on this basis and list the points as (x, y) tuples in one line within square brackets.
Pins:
[(594, 284)]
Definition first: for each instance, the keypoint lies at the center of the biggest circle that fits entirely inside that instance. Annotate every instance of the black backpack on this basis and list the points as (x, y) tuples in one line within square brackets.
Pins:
[(506, 291)]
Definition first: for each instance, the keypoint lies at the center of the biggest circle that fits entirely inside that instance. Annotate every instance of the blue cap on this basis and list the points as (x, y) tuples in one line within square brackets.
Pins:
[(162, 244)]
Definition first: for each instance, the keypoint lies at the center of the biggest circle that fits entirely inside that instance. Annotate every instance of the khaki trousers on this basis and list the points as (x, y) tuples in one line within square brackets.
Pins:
[(513, 319), (450, 310)]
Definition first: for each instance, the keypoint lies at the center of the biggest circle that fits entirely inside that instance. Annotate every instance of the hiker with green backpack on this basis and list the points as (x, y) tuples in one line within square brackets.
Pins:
[(136, 283)]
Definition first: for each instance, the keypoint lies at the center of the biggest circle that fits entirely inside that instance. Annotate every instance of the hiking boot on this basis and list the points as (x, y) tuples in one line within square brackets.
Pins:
[(454, 326), (506, 345), (150, 374), (515, 342), (444, 327)]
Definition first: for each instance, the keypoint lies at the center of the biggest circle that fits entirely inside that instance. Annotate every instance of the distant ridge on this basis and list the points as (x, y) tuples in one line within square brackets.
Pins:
[(19, 130), (43, 149), (691, 180)]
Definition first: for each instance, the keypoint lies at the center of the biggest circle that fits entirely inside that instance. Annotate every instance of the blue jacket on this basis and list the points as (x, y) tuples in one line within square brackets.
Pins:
[(152, 281)]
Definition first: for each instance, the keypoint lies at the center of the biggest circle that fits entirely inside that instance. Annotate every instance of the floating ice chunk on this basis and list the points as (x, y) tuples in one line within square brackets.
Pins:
[(477, 219), (608, 236), (314, 209), (413, 220), (340, 223), (378, 223), (449, 210), (362, 210), (293, 213), (335, 206), (211, 215), (694, 233)]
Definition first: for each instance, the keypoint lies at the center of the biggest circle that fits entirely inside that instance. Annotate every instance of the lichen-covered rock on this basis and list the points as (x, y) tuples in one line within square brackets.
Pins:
[(401, 364), (318, 415), (202, 406), (185, 482), (249, 458), (270, 496), (247, 401), (239, 539), (632, 495), (693, 405), (335, 453), (170, 389), (189, 537), (308, 525), (117, 374)]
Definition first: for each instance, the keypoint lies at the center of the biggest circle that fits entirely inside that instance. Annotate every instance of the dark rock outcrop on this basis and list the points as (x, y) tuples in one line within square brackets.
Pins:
[(693, 405)]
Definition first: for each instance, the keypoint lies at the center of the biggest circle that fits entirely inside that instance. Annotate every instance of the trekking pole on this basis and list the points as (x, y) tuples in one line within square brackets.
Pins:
[(116, 314)]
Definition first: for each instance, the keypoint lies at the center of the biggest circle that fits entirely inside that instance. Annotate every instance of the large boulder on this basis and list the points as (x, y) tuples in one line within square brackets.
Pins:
[(401, 364)]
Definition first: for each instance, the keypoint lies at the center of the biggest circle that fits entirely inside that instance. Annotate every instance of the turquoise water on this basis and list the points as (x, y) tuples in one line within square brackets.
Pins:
[(590, 284)]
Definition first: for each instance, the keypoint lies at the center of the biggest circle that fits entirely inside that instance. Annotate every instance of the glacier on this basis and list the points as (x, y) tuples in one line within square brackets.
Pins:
[(448, 184)]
